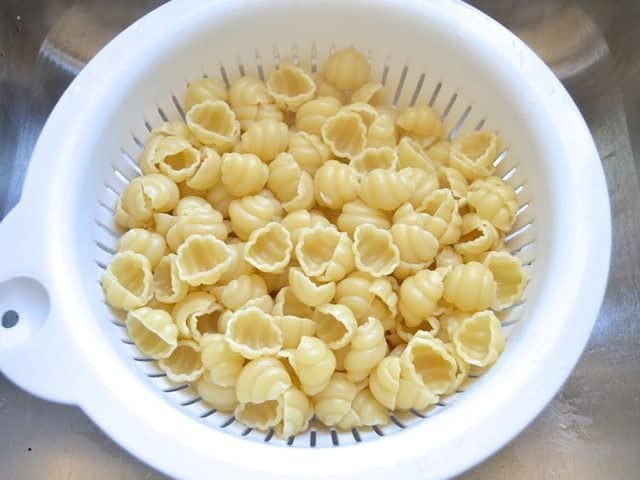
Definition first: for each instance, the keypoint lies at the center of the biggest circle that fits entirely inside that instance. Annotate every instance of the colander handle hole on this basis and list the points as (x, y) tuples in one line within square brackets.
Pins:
[(10, 319)]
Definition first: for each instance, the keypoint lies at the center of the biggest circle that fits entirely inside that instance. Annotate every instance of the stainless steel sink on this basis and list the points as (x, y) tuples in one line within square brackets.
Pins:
[(591, 430)]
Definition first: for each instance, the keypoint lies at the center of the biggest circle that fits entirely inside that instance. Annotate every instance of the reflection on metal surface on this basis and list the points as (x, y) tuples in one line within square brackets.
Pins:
[(590, 430)]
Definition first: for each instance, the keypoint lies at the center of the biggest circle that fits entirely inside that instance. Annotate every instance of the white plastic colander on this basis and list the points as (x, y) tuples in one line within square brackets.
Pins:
[(68, 346)]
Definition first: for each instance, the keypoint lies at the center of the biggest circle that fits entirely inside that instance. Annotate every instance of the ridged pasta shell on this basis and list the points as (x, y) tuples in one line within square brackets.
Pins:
[(309, 292), (168, 287), (368, 348), (335, 184), (196, 315), (309, 151), (290, 86), (222, 365), (213, 123), (202, 259), (184, 363), (293, 329), (269, 248), (374, 251), (495, 201), (385, 158), (347, 69), (152, 331), (128, 281), (419, 295), (265, 138), (221, 398), (356, 213), (421, 122), (335, 325), (415, 244), (333, 403), (345, 133), (261, 380), (384, 189), (479, 339), (470, 287), (243, 174), (313, 363), (325, 253), (296, 413), (510, 278), (427, 361), (203, 89), (260, 415), (311, 116), (253, 333), (473, 154), (239, 291)]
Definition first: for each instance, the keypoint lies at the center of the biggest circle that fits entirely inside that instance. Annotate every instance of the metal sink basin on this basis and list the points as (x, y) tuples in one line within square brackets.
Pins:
[(591, 430)]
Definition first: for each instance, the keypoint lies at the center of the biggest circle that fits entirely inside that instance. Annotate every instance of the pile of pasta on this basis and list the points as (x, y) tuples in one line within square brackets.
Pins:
[(292, 253)]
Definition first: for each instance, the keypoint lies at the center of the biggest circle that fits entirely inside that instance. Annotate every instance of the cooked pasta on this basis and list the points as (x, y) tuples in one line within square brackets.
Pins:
[(368, 348), (325, 253), (239, 291), (367, 296), (269, 248), (210, 223), (384, 189), (365, 411), (345, 133), (300, 249), (238, 265), (196, 315), (419, 295), (221, 364), (168, 287), (290, 86), (421, 122), (357, 213), (470, 287), (248, 214), (385, 158), (204, 89), (421, 184), (370, 92), (152, 331), (265, 138), (439, 152), (411, 154), (333, 402), (427, 360), (202, 259), (442, 217), (293, 329), (308, 151), (214, 123), (143, 197), (309, 292), (478, 236), (311, 115), (382, 132), (290, 184), (347, 69), (314, 364), (479, 339), (335, 184), (509, 276), (296, 222), (453, 180), (374, 250), (495, 201), (173, 156), (473, 154), (287, 303), (221, 398), (261, 380), (335, 325), (297, 411), (253, 333), (243, 174), (259, 415), (128, 281), (184, 363)]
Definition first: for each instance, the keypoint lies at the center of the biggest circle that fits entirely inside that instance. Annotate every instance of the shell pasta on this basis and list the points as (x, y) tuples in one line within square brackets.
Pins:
[(300, 251)]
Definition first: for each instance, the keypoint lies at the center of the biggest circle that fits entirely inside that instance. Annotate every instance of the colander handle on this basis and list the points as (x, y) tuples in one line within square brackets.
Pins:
[(35, 351)]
